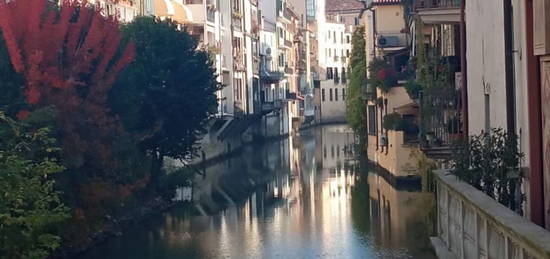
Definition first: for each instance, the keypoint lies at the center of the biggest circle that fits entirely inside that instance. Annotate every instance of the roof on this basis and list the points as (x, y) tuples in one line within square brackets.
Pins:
[(386, 2), (343, 5)]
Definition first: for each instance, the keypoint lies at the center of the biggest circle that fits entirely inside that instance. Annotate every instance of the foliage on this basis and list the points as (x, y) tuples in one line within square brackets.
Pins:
[(68, 57), (181, 177), (356, 110), (393, 121), (166, 96), (381, 74), (413, 89), (12, 99), (30, 208), (490, 162)]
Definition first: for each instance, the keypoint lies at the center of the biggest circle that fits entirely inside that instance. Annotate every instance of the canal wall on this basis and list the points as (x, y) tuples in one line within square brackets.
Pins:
[(472, 225)]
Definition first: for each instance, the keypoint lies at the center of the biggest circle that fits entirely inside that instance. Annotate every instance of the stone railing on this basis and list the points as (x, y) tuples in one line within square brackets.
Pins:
[(472, 225)]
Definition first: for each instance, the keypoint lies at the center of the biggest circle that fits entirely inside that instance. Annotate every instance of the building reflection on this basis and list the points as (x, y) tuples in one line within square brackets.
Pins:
[(291, 199)]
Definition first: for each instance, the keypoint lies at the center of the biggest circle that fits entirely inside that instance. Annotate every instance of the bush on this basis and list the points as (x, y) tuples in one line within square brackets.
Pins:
[(491, 163), (30, 207), (413, 89), (382, 74)]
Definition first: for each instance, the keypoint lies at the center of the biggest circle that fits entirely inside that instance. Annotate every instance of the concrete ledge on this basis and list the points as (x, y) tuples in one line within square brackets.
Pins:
[(530, 235)]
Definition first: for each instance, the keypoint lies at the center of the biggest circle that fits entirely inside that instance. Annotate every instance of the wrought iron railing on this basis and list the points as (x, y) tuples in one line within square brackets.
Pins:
[(429, 4)]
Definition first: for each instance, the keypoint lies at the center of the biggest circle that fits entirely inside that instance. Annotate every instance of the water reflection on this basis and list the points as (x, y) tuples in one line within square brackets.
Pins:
[(298, 198)]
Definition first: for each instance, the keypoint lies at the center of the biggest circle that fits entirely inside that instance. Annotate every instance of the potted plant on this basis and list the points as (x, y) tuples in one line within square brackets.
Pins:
[(393, 121)]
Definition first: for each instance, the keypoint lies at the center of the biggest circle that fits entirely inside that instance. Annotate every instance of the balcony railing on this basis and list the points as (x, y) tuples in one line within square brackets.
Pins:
[(288, 43), (430, 4), (439, 11), (238, 59), (211, 15), (472, 225)]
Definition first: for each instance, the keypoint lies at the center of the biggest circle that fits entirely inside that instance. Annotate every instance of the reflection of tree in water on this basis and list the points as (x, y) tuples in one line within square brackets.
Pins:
[(360, 203)]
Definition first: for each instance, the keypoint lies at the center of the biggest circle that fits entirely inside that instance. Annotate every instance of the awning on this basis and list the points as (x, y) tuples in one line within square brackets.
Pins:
[(407, 109), (170, 9), (182, 14)]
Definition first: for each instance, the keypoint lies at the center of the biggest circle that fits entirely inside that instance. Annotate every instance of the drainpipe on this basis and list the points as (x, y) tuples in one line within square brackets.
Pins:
[(464, 85), (535, 124), (509, 65)]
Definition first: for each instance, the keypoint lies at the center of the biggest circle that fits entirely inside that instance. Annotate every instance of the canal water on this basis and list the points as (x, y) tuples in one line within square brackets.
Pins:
[(301, 197)]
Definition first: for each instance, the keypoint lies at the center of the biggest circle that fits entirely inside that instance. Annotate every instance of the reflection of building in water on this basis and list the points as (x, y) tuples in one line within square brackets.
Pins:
[(399, 211), (334, 146)]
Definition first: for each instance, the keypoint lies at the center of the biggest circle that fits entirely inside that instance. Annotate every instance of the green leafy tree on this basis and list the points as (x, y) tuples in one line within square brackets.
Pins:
[(356, 110), (166, 96), (30, 208), (12, 99)]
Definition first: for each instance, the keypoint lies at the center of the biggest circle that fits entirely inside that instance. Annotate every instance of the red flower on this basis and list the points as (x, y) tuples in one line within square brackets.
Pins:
[(23, 114), (382, 74)]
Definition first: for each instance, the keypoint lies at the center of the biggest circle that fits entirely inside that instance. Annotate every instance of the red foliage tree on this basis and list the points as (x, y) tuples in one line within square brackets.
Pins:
[(70, 57)]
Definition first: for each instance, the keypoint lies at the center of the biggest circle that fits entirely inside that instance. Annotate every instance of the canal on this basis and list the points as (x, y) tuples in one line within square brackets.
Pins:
[(302, 197)]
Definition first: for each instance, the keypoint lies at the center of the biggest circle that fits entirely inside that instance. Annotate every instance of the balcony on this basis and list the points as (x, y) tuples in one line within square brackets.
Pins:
[(266, 75), (237, 23), (288, 43), (439, 11), (211, 15), (238, 60), (289, 70), (271, 106)]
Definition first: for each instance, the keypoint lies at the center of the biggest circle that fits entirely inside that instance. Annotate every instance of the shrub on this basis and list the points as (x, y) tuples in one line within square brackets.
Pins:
[(490, 162)]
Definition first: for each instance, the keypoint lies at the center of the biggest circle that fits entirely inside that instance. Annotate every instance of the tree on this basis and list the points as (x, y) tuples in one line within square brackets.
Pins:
[(12, 99), (167, 95), (68, 58), (30, 208), (356, 110)]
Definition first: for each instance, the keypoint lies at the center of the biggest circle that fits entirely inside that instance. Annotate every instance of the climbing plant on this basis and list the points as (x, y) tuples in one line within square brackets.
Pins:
[(356, 111)]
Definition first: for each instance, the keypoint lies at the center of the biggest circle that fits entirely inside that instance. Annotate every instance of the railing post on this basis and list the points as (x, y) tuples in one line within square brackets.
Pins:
[(448, 203), (461, 223), (486, 225), (476, 232)]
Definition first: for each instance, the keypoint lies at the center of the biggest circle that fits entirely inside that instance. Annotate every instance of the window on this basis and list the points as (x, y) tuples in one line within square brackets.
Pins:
[(332, 151), (344, 94), (336, 94), (347, 53), (325, 151), (348, 39), (330, 74), (371, 113), (330, 94), (342, 37), (336, 76), (330, 52), (334, 36), (338, 151), (323, 95), (344, 78)]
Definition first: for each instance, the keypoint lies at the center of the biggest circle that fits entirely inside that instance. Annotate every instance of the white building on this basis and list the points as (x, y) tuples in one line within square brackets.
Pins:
[(334, 50)]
